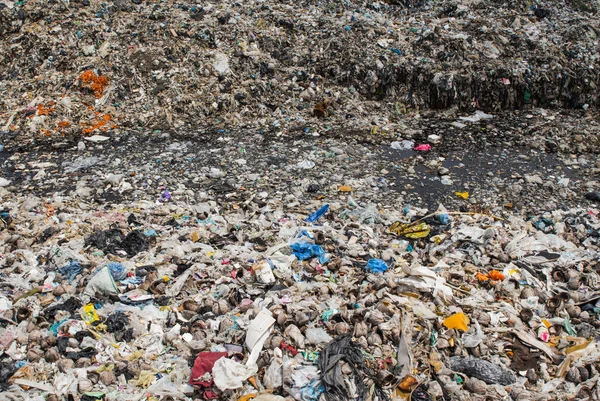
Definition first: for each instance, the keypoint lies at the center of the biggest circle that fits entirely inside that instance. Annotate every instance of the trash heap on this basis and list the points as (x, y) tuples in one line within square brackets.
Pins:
[(325, 301), (85, 67)]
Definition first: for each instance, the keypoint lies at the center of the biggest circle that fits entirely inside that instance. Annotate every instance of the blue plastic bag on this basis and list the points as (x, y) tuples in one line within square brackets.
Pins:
[(317, 215), (117, 271), (313, 390), (305, 233), (443, 218), (306, 250), (71, 270), (376, 266)]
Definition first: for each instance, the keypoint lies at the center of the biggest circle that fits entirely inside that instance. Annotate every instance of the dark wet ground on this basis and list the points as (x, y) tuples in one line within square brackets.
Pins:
[(488, 163), (471, 170)]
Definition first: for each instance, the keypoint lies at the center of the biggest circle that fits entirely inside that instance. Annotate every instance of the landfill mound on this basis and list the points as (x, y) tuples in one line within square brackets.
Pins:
[(332, 301), (243, 200), (83, 67)]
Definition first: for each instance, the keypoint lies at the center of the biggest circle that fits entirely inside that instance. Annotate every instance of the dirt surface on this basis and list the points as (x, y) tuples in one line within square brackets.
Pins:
[(507, 162)]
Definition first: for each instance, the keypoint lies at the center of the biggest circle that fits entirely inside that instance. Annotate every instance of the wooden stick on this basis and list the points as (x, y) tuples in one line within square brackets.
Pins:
[(453, 214)]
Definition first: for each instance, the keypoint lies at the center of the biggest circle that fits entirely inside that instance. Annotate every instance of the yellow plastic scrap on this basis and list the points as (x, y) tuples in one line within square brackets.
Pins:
[(578, 347), (458, 321), (252, 381), (195, 236), (109, 367), (146, 378), (434, 361), (413, 231), (344, 188), (437, 239), (248, 397), (464, 195), (89, 314), (134, 355)]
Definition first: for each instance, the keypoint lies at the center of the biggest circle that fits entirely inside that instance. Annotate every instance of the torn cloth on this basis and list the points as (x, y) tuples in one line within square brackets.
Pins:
[(339, 387), (204, 363)]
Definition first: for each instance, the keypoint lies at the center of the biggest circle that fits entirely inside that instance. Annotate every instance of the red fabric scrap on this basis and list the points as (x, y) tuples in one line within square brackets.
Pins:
[(204, 363)]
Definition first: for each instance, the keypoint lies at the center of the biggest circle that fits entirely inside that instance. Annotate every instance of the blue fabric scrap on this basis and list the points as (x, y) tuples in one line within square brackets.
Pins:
[(71, 270)]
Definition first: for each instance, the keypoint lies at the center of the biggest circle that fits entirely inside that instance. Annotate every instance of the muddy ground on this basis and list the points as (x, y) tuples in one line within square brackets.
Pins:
[(526, 162)]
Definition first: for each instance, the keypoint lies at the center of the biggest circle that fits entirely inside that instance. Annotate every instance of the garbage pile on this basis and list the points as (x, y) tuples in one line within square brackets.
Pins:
[(85, 67), (168, 300)]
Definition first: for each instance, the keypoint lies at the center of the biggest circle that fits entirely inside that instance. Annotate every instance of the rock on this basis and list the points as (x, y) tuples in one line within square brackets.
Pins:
[(434, 139), (534, 179), (216, 173), (476, 386), (446, 180), (114, 179)]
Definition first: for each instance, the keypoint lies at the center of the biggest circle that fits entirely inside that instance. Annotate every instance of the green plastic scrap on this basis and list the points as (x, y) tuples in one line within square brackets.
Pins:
[(310, 356), (433, 338), (328, 314), (569, 327), (95, 394)]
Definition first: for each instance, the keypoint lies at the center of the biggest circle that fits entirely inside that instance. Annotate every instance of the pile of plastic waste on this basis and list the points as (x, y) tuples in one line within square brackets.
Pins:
[(167, 300)]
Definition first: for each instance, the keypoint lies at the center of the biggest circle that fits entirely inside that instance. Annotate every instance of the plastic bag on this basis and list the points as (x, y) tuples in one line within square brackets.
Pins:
[(458, 321), (376, 266), (273, 378), (117, 271), (71, 270), (165, 387), (472, 340), (482, 370), (102, 282), (423, 147), (264, 272), (229, 374), (317, 215), (306, 250), (410, 230), (402, 145), (316, 335), (424, 279), (89, 314), (203, 364)]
